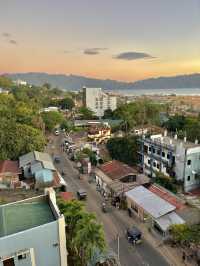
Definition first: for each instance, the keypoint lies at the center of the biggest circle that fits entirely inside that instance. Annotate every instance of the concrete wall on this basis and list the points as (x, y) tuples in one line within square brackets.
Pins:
[(43, 239)]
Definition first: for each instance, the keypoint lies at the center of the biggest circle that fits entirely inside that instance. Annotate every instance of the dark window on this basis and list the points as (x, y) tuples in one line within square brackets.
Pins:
[(154, 150), (163, 154), (189, 162), (188, 178), (195, 176), (149, 161), (168, 156), (22, 256), (158, 165), (149, 148), (158, 152), (154, 164)]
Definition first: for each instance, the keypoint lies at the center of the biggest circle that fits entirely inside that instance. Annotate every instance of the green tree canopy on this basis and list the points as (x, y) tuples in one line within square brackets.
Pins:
[(86, 113), (52, 119)]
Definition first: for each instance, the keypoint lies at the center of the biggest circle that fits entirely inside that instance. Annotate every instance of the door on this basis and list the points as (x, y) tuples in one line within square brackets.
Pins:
[(9, 262)]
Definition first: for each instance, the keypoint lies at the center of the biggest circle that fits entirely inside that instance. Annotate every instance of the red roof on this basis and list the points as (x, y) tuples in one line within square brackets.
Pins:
[(67, 196), (164, 194), (9, 166), (116, 169)]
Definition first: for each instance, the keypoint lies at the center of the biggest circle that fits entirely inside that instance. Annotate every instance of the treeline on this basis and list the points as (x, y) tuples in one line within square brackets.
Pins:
[(184, 126), (22, 124)]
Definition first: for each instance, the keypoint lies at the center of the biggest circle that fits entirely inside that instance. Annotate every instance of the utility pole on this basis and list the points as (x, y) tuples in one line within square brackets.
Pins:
[(118, 246)]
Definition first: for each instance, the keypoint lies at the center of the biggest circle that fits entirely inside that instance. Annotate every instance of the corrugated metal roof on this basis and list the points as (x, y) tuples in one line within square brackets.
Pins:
[(36, 167), (26, 159), (169, 219), (44, 176), (48, 165), (150, 202), (42, 156)]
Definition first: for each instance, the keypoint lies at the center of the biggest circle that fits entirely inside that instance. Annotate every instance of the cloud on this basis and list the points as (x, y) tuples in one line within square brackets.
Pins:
[(6, 34), (132, 56), (13, 42), (93, 51)]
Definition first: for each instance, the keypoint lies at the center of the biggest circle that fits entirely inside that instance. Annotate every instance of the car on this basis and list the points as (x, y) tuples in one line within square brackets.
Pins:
[(81, 194), (56, 132), (57, 159), (134, 235)]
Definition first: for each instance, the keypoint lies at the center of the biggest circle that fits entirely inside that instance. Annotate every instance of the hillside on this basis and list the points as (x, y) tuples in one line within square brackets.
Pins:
[(73, 82)]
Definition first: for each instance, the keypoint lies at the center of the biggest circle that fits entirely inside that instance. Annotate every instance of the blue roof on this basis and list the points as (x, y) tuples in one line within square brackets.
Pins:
[(44, 175)]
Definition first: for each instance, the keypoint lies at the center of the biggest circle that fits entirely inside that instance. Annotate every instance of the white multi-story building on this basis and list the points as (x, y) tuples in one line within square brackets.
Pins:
[(32, 232), (98, 101), (173, 157)]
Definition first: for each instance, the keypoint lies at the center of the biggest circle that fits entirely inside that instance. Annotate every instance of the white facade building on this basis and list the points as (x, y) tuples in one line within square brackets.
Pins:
[(173, 157), (32, 232), (98, 101)]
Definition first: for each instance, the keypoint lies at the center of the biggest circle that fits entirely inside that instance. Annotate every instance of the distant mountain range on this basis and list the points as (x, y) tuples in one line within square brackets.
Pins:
[(73, 82)]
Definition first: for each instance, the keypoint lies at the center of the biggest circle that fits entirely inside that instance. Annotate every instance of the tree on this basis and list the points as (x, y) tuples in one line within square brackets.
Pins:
[(67, 103), (108, 114), (52, 119), (124, 149), (47, 85), (83, 233), (5, 82), (18, 139), (86, 113)]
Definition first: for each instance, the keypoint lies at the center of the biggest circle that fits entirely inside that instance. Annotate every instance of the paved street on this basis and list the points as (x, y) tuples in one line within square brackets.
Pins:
[(114, 222)]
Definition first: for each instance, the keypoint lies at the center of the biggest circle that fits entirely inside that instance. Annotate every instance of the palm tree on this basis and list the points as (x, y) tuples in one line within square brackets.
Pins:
[(89, 237)]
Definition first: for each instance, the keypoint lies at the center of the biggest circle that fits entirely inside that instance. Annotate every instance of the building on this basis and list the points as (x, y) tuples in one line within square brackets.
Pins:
[(116, 178), (99, 133), (20, 82), (32, 232), (149, 207), (173, 157), (9, 174), (38, 167), (98, 101)]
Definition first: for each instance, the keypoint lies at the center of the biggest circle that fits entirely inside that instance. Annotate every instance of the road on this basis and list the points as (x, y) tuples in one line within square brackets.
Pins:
[(114, 222)]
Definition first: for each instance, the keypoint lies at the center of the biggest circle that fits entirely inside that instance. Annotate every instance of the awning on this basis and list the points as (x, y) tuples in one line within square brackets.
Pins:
[(169, 219)]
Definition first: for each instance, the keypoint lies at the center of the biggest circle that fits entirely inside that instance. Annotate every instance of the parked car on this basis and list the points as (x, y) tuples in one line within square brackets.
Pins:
[(134, 235), (81, 194)]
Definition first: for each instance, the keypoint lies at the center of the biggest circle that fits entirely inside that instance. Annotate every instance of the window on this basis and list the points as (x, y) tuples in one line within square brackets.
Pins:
[(158, 166), (189, 162), (22, 256), (158, 152), (195, 176), (188, 178), (149, 161), (149, 148), (168, 156), (163, 154), (154, 150), (154, 164)]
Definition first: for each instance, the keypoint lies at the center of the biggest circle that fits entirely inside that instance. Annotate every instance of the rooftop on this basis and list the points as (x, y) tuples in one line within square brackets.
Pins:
[(9, 166), (167, 195), (150, 202), (34, 156), (116, 169), (173, 142), (23, 215)]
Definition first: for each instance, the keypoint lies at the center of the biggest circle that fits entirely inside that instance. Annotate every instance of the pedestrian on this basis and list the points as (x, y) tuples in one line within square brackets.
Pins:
[(183, 257)]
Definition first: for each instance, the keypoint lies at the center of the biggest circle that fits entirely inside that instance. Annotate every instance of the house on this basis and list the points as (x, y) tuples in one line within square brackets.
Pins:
[(149, 207), (32, 232), (9, 174), (99, 133), (98, 101), (172, 157), (38, 167), (117, 177)]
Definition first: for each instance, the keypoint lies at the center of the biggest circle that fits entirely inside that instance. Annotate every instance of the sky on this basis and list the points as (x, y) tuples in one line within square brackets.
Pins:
[(125, 40)]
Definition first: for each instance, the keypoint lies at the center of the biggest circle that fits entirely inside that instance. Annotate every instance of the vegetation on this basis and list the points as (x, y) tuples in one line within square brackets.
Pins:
[(185, 235), (165, 181), (86, 113), (184, 126), (83, 234), (52, 119), (5, 82), (65, 103), (124, 149)]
